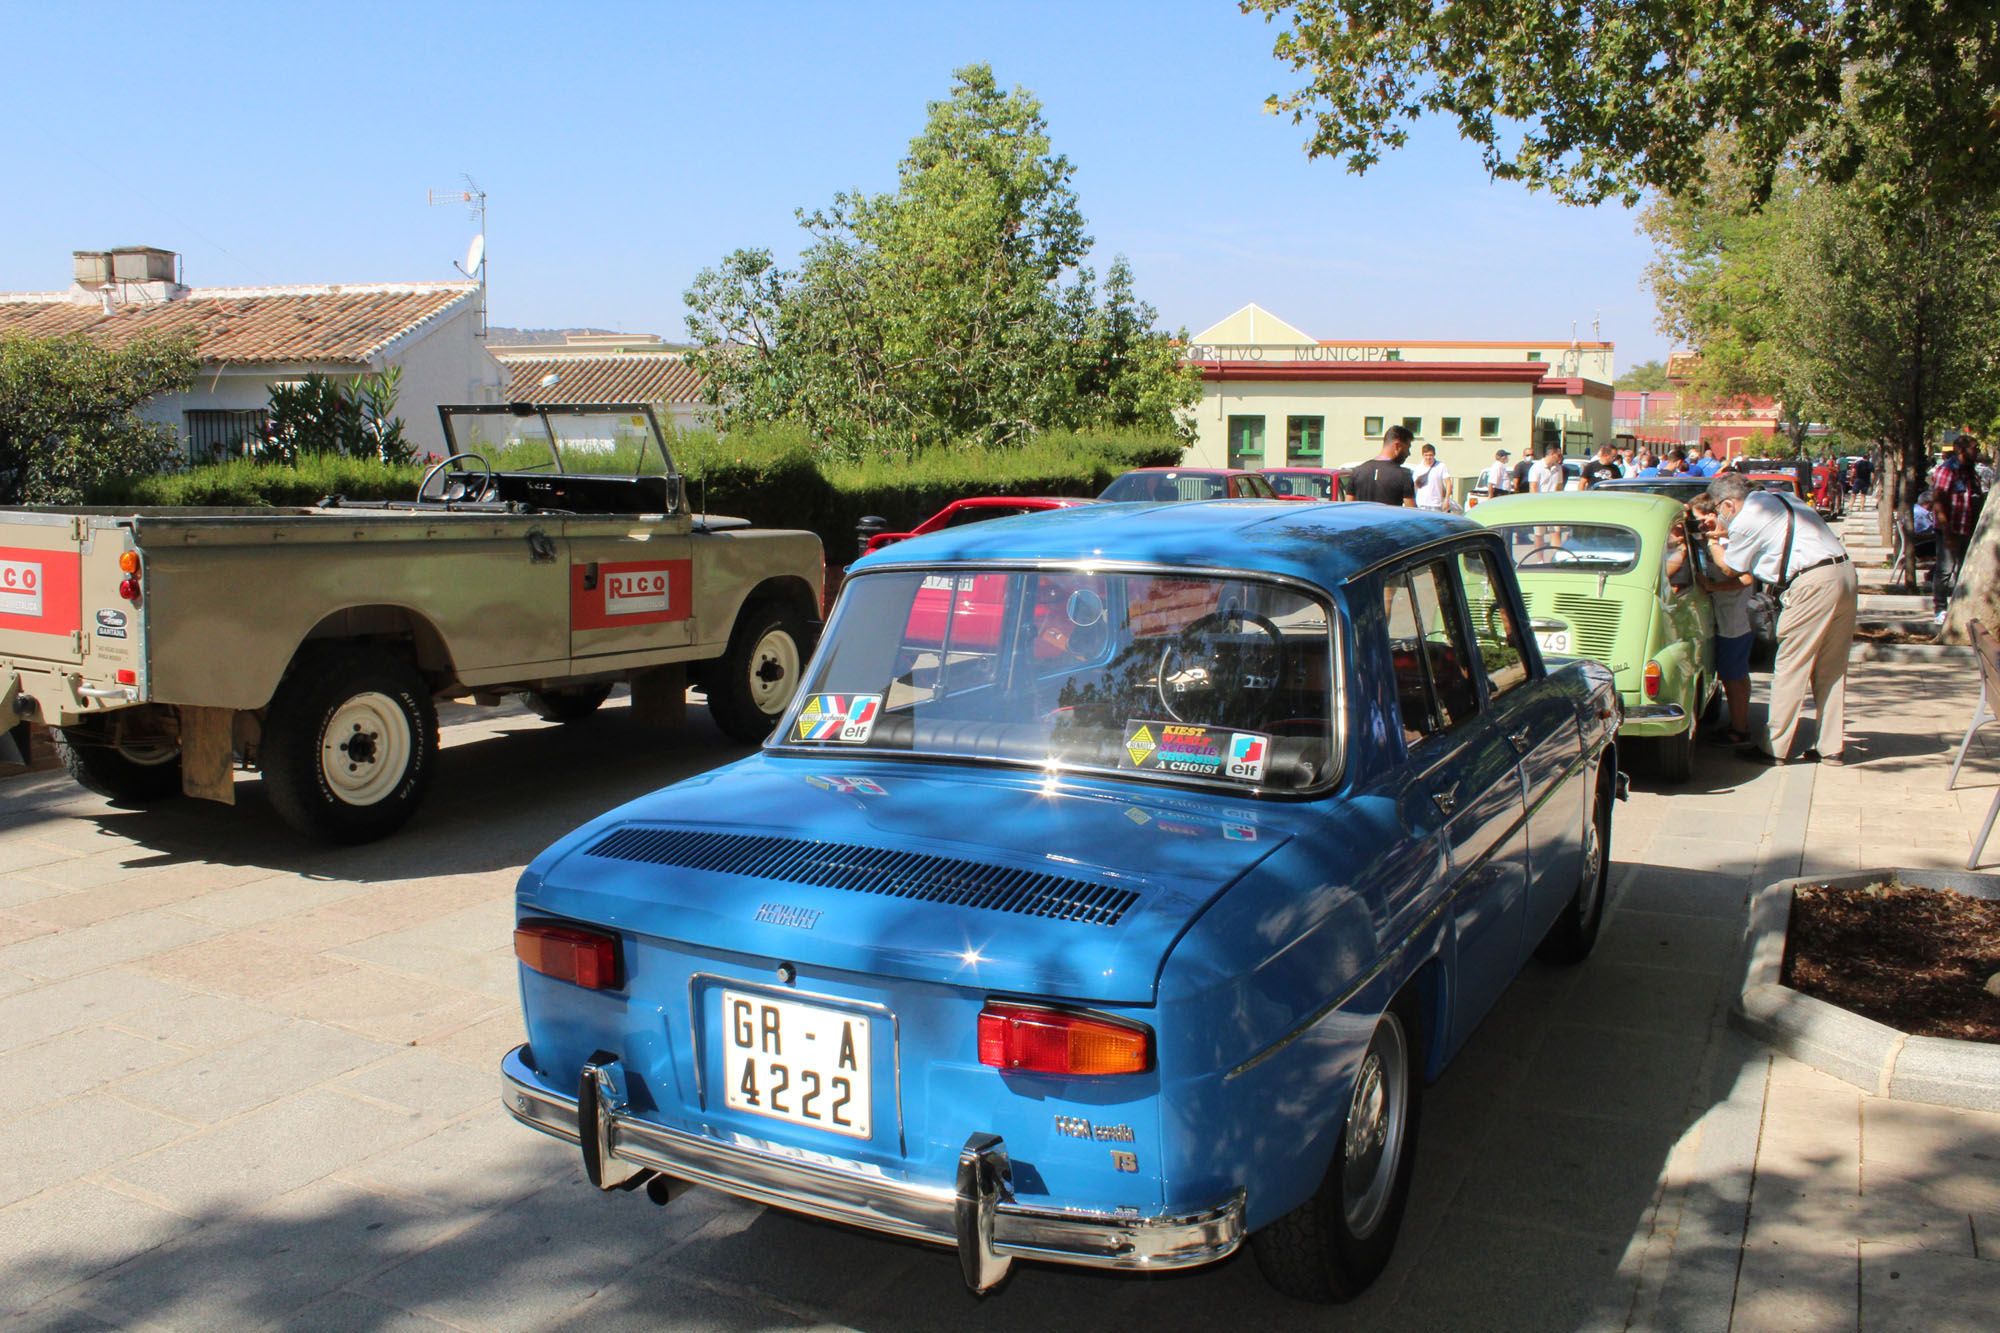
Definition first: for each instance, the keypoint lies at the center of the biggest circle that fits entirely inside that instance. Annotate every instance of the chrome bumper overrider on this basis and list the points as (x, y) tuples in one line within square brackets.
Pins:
[(1656, 713), (978, 1216)]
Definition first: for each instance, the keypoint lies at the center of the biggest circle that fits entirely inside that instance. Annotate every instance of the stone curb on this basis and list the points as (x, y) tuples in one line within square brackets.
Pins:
[(1872, 1056)]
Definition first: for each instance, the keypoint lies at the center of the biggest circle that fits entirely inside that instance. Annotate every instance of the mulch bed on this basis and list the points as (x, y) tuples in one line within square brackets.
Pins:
[(1916, 959), (1892, 636)]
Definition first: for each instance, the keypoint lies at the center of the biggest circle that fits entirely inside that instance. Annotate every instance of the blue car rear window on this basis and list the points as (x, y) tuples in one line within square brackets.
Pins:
[(1155, 676)]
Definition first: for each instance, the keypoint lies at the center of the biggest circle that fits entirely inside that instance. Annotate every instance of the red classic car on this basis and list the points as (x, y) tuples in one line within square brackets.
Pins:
[(974, 509), (1161, 484), (1306, 483)]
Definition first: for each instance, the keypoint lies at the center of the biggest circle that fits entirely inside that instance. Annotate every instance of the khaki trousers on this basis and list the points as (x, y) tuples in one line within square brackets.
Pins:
[(1815, 631)]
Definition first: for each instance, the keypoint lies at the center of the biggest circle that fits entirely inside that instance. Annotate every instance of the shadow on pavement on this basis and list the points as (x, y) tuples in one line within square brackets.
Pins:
[(1538, 1199), (506, 786)]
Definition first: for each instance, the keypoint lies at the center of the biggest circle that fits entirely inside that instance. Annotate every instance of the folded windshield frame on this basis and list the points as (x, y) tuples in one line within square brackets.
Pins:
[(553, 436), (1334, 771)]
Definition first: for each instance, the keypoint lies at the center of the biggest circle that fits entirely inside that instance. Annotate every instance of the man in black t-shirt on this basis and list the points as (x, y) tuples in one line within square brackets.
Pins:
[(1601, 468), (1383, 478), (1521, 471)]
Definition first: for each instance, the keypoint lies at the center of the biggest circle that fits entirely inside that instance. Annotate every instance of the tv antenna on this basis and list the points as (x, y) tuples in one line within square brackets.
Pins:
[(474, 264)]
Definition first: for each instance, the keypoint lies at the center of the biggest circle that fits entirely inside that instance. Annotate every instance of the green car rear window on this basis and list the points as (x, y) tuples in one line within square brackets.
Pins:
[(1571, 548)]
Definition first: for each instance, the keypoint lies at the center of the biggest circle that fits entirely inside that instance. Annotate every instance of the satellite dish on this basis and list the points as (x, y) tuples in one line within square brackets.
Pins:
[(475, 255)]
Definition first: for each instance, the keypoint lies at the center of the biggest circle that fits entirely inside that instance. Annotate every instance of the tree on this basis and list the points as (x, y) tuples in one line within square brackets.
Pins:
[(1611, 98), (1646, 377), (956, 308), (1715, 278), (69, 412)]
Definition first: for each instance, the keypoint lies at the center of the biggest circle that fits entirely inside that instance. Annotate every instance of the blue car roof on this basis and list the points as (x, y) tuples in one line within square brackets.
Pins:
[(1325, 544)]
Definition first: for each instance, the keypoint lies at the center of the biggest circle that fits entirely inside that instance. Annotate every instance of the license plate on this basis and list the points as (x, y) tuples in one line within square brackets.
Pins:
[(1553, 641), (799, 1063)]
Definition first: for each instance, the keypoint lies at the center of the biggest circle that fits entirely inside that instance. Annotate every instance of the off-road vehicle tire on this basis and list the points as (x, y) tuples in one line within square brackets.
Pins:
[(750, 686), (350, 744), (572, 703), (1316, 1252), (130, 777)]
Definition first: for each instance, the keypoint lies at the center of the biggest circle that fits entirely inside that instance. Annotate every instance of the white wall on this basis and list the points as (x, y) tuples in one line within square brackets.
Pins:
[(443, 364)]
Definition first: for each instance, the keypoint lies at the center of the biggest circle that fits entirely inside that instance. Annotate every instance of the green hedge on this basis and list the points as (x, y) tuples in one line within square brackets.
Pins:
[(773, 480), (246, 483), (770, 477)]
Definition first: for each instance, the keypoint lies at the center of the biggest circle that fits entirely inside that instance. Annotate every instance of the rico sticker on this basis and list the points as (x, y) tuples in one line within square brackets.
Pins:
[(21, 583), (637, 592), (845, 718)]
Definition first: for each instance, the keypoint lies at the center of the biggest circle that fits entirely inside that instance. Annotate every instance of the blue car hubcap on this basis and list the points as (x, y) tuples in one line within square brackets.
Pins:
[(1374, 1139)]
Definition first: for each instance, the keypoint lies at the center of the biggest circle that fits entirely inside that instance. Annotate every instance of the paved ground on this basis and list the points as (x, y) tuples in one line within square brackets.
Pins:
[(251, 1082)]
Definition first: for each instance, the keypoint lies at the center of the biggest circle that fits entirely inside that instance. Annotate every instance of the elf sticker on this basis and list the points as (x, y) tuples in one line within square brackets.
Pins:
[(843, 718), (21, 584), (1247, 753)]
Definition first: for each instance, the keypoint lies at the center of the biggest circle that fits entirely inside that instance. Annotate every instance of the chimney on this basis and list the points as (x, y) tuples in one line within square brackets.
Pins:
[(126, 275)]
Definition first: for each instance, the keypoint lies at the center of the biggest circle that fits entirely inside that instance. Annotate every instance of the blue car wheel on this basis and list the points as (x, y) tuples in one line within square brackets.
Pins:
[(1332, 1246)]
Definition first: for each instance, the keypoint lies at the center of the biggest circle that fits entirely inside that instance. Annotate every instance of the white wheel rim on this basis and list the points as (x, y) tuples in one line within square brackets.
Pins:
[(365, 750), (1373, 1143), (1593, 873), (774, 671), (149, 756)]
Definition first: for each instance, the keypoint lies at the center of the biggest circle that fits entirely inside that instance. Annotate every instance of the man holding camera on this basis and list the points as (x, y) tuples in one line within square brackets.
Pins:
[(1789, 547)]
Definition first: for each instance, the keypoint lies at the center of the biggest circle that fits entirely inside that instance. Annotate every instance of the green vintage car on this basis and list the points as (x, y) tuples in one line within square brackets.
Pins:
[(1593, 569)]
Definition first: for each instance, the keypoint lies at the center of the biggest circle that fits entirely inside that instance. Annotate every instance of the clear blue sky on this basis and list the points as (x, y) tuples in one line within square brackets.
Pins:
[(626, 146)]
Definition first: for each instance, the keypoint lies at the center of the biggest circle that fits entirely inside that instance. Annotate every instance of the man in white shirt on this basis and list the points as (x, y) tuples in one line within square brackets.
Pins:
[(1500, 477), (1788, 546), (1433, 482), (1547, 475)]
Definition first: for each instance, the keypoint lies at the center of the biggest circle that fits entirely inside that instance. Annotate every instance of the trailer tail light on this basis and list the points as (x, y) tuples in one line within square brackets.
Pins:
[(127, 676), (586, 958), (1652, 680), (1053, 1041), (128, 587)]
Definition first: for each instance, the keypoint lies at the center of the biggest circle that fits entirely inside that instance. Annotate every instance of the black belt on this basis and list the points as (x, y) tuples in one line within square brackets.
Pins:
[(1817, 564)]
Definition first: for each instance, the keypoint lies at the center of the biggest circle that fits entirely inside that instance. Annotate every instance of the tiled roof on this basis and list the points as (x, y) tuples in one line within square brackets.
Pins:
[(614, 377), (251, 325)]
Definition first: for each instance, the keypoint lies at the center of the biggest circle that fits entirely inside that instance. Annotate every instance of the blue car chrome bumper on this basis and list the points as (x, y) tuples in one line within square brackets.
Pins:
[(979, 1216)]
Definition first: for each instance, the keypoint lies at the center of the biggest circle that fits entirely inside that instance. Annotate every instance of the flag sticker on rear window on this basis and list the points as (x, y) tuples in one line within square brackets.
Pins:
[(841, 718)]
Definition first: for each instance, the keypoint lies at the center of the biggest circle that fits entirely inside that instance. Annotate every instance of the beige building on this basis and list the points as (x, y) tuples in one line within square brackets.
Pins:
[(606, 368), (1275, 396)]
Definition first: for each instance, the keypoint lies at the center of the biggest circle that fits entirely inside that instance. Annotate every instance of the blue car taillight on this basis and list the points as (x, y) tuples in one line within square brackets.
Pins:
[(1056, 1041), (587, 958)]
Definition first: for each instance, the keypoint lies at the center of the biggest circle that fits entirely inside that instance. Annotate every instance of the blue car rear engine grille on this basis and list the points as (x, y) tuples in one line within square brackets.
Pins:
[(895, 874)]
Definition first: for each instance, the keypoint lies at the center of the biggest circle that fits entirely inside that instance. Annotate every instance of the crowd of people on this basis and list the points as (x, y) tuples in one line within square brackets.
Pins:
[(1747, 538)]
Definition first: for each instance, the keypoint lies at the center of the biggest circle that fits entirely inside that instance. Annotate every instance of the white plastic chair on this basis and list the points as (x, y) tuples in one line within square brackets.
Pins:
[(1985, 651)]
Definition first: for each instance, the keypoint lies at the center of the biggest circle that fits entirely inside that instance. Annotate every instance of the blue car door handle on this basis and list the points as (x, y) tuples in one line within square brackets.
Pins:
[(1445, 798), (1523, 740)]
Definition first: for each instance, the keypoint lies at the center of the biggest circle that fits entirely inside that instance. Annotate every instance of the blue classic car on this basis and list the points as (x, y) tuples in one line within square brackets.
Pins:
[(1113, 886)]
